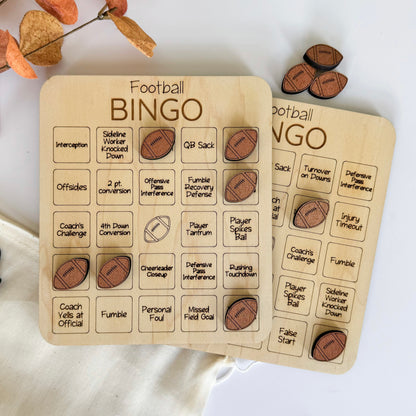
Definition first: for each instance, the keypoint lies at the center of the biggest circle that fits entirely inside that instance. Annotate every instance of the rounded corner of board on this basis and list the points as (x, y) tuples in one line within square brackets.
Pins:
[(48, 337), (389, 125), (49, 83), (265, 84)]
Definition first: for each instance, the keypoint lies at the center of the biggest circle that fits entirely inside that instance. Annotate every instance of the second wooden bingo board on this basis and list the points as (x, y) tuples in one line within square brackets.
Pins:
[(321, 275), (164, 218)]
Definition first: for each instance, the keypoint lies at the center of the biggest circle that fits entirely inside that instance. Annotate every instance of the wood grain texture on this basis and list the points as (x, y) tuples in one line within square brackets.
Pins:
[(103, 197)]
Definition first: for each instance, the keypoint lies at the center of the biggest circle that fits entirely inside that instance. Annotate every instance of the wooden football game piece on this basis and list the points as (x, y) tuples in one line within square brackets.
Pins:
[(71, 274), (241, 314), (114, 272), (158, 144), (311, 214), (323, 57), (329, 345), (241, 144), (328, 85), (241, 186), (298, 78)]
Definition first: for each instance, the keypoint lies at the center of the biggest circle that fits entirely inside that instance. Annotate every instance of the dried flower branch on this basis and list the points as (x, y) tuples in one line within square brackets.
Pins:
[(66, 11), (41, 34)]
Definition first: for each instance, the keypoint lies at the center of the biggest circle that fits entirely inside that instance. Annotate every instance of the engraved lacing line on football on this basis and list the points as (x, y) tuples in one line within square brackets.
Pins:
[(321, 351), (104, 278), (321, 209), (69, 270), (76, 265), (246, 175), (341, 344), (302, 217), (155, 226), (157, 139), (149, 149), (315, 54), (338, 78), (247, 305), (61, 281), (153, 237), (119, 263), (163, 222), (234, 321), (247, 134), (292, 84), (111, 269), (238, 156), (308, 70), (167, 137), (232, 192), (320, 89)]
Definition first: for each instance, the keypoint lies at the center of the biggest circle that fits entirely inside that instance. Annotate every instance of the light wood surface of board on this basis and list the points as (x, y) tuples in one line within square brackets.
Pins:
[(100, 199), (321, 276)]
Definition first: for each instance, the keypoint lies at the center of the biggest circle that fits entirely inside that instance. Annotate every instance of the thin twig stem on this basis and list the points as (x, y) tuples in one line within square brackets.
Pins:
[(100, 16)]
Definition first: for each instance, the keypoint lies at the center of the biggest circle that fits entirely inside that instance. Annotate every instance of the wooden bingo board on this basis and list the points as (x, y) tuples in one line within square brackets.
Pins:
[(321, 275), (167, 218)]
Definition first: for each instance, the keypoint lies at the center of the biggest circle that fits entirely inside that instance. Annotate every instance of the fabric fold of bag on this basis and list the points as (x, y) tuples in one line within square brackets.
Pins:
[(37, 378)]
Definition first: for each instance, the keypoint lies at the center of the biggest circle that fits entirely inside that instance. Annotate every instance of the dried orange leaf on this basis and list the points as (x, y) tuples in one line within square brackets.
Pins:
[(16, 60), (4, 40), (134, 34), (38, 29), (66, 11), (121, 7)]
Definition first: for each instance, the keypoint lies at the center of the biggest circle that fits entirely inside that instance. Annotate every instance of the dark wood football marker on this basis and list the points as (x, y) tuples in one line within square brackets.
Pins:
[(241, 144), (323, 57), (298, 78), (157, 144), (328, 85), (71, 274), (241, 186), (241, 314), (329, 345), (114, 272), (311, 214)]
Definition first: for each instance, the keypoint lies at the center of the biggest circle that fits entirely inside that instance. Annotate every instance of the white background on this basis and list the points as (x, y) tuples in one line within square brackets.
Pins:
[(265, 38)]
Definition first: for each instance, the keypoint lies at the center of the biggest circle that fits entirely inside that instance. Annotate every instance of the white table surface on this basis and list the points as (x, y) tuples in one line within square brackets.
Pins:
[(265, 38)]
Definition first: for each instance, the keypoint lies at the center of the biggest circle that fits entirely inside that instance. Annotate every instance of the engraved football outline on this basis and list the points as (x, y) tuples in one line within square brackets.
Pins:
[(160, 220)]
